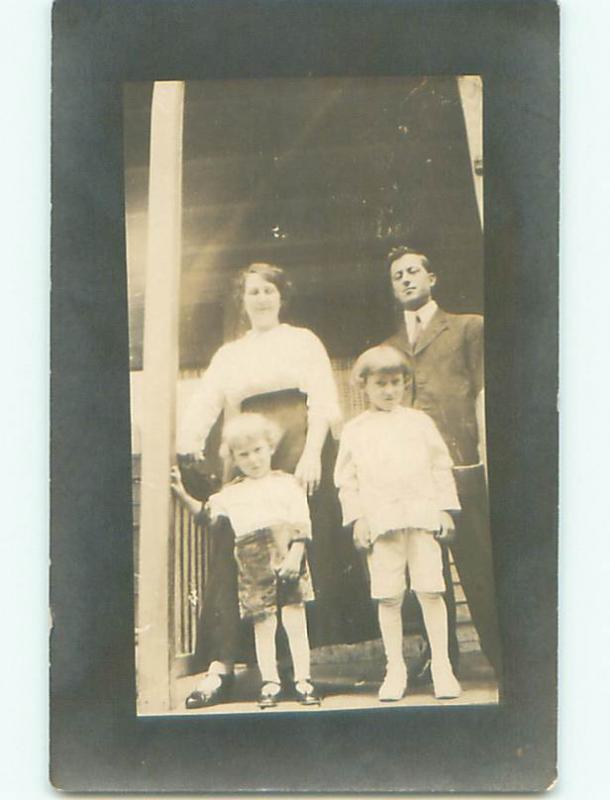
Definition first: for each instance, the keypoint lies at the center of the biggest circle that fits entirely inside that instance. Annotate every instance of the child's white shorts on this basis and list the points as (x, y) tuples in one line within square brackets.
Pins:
[(394, 552)]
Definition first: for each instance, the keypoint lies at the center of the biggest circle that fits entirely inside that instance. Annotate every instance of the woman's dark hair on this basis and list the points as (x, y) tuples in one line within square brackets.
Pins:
[(269, 273)]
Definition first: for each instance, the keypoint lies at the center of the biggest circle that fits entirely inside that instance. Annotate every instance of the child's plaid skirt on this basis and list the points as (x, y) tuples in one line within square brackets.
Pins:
[(259, 556)]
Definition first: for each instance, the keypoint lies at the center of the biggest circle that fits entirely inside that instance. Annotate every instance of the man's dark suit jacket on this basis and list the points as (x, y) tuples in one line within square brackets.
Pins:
[(446, 377)]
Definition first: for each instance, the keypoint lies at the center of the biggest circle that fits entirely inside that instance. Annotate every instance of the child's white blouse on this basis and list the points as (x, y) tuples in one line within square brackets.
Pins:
[(255, 503), (394, 469), (284, 357)]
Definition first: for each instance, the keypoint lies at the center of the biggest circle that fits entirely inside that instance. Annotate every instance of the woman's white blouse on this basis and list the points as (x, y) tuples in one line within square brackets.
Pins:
[(255, 503), (284, 357)]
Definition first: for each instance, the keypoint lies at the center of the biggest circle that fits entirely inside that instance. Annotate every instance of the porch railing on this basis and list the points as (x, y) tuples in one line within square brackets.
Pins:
[(189, 571)]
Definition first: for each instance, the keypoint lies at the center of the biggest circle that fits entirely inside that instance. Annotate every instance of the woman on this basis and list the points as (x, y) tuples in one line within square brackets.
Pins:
[(283, 372)]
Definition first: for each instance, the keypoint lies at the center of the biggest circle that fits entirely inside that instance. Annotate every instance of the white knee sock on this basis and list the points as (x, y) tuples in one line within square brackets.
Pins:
[(434, 612), (294, 621), (389, 611), (212, 679), (264, 639)]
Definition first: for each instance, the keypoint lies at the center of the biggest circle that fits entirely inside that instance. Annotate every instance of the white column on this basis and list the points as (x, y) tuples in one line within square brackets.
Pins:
[(471, 95), (162, 293)]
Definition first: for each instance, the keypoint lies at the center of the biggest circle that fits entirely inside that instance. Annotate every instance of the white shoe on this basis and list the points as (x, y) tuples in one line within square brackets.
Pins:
[(394, 685), (446, 685)]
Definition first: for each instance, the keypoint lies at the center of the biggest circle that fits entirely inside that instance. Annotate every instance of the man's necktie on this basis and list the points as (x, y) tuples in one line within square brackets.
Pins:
[(415, 331)]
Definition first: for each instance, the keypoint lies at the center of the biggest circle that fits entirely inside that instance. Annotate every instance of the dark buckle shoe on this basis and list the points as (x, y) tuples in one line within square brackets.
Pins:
[(306, 694), (270, 694), (202, 699)]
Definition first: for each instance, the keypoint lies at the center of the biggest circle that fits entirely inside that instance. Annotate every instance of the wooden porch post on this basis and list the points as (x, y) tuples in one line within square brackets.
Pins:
[(159, 393), (471, 95)]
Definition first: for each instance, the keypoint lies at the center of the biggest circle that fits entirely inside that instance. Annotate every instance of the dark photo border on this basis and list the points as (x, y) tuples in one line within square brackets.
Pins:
[(97, 741)]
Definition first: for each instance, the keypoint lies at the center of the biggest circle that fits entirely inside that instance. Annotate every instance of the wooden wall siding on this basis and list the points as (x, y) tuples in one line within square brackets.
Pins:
[(321, 177)]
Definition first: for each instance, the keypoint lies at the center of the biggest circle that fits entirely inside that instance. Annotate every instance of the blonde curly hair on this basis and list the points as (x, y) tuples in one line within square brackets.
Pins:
[(246, 427)]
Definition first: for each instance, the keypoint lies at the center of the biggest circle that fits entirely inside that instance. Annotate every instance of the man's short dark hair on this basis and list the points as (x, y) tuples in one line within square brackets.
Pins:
[(405, 250)]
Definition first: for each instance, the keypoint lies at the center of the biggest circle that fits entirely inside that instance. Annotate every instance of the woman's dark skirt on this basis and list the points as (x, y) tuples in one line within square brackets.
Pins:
[(342, 611)]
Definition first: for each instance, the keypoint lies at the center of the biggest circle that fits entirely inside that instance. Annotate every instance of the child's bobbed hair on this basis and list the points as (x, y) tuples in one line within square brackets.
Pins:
[(244, 428), (383, 358)]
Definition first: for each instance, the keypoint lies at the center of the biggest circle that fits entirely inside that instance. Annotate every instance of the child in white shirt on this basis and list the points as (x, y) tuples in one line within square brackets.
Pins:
[(395, 481), (269, 515)]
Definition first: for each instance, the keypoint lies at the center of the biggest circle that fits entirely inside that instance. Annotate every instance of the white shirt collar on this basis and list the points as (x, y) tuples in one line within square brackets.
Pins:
[(425, 314)]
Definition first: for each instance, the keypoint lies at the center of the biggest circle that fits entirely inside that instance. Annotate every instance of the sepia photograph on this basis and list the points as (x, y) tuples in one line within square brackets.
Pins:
[(306, 352), (304, 396)]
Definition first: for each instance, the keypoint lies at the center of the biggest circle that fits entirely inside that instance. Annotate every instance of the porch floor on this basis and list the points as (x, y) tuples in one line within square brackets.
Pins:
[(347, 686)]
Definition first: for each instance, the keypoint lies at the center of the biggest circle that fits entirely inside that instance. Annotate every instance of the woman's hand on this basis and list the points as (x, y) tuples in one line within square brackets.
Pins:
[(362, 535), (446, 534), (308, 471)]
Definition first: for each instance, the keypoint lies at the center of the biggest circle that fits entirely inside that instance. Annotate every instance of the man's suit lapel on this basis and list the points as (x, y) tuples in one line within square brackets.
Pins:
[(400, 340), (435, 327)]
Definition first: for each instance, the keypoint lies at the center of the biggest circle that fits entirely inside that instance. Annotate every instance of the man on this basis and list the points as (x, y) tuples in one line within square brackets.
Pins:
[(445, 353)]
